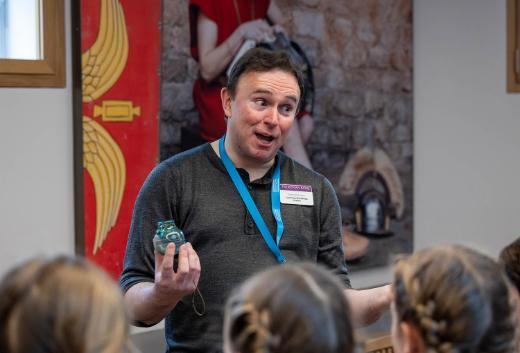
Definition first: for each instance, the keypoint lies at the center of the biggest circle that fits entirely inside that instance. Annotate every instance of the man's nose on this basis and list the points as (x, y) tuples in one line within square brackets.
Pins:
[(271, 116)]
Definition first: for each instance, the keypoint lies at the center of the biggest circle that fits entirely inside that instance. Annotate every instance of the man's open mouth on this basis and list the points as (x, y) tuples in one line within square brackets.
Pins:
[(266, 138)]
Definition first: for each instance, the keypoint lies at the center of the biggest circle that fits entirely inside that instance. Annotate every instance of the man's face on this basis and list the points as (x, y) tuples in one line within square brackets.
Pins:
[(261, 114)]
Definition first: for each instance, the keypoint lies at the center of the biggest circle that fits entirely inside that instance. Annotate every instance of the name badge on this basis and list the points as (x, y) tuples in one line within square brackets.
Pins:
[(296, 194)]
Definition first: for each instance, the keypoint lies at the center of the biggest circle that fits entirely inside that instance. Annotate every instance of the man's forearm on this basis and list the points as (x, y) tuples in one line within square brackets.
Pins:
[(369, 304), (146, 306)]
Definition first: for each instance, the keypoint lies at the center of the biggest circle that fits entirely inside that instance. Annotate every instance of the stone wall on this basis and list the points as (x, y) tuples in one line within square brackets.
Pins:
[(361, 53), (178, 72)]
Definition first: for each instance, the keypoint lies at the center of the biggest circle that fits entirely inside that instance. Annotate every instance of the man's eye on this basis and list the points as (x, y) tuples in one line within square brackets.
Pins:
[(260, 101), (287, 109)]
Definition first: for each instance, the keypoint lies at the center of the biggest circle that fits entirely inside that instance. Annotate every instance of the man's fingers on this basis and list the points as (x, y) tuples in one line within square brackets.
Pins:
[(278, 29), (184, 266), (167, 263), (186, 277), (158, 260)]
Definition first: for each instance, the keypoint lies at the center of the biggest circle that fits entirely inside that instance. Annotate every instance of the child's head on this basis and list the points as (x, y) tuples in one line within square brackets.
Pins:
[(510, 259), (289, 308), (61, 305), (452, 299)]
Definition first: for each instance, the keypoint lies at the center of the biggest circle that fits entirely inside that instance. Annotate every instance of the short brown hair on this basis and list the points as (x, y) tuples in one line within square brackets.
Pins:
[(263, 60)]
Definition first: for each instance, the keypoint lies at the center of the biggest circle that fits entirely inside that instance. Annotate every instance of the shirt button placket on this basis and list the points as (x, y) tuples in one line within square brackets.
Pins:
[(249, 220)]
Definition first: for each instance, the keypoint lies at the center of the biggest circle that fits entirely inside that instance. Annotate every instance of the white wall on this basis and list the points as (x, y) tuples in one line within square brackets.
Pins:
[(466, 143), (36, 175), (466, 126)]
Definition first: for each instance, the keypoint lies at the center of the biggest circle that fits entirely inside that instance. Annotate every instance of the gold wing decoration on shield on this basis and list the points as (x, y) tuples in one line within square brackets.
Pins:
[(105, 164), (102, 64), (103, 159)]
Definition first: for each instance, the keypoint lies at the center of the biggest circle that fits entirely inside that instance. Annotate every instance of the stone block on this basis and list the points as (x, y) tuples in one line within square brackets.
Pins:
[(382, 129), (170, 134), (193, 69), (365, 32), (341, 29), (176, 38), (374, 100), (390, 81), (175, 67), (175, 13), (351, 104), (320, 134), (177, 96), (363, 134), (400, 109), (401, 59), (340, 139), (334, 78), (309, 23), (311, 48), (311, 3), (407, 149), (378, 57), (401, 133), (355, 55)]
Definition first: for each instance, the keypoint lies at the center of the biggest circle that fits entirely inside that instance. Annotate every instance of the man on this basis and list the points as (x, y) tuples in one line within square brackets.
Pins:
[(243, 206)]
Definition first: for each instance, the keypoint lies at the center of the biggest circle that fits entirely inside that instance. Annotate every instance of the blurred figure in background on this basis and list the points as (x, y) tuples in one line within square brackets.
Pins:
[(218, 29)]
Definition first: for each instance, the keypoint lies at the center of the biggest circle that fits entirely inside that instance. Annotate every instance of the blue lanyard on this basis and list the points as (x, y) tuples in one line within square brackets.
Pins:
[(251, 206)]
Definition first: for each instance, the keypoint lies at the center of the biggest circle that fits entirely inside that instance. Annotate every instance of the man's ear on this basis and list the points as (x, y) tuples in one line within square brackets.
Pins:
[(225, 97), (412, 341)]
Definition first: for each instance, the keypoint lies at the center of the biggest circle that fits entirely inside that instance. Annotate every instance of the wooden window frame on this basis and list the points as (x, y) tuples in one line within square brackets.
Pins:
[(49, 71), (513, 46)]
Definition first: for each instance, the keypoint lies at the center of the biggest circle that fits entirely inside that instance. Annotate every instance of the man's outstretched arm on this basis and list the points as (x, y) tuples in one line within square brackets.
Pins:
[(369, 304)]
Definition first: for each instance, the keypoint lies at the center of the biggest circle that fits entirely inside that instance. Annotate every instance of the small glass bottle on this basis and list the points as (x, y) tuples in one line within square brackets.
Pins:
[(167, 232)]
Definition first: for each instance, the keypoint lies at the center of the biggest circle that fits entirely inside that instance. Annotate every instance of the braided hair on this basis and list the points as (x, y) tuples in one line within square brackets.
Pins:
[(290, 308), (458, 299)]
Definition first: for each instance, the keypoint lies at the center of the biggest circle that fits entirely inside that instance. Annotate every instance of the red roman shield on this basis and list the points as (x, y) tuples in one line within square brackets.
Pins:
[(120, 45)]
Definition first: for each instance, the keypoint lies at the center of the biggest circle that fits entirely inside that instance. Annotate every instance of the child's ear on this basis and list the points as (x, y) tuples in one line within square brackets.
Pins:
[(226, 101), (412, 340)]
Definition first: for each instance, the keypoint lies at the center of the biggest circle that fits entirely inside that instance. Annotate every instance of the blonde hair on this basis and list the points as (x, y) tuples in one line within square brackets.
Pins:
[(458, 299), (289, 308), (61, 305)]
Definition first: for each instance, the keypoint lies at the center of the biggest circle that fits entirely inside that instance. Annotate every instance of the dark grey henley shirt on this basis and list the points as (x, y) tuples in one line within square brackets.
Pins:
[(194, 189)]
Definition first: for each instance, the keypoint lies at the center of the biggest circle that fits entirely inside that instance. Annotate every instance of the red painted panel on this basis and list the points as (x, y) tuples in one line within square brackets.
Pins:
[(138, 83)]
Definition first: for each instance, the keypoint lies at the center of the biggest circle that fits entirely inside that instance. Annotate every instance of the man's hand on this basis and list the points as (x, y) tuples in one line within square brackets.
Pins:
[(257, 30), (279, 29), (171, 284), (150, 302)]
